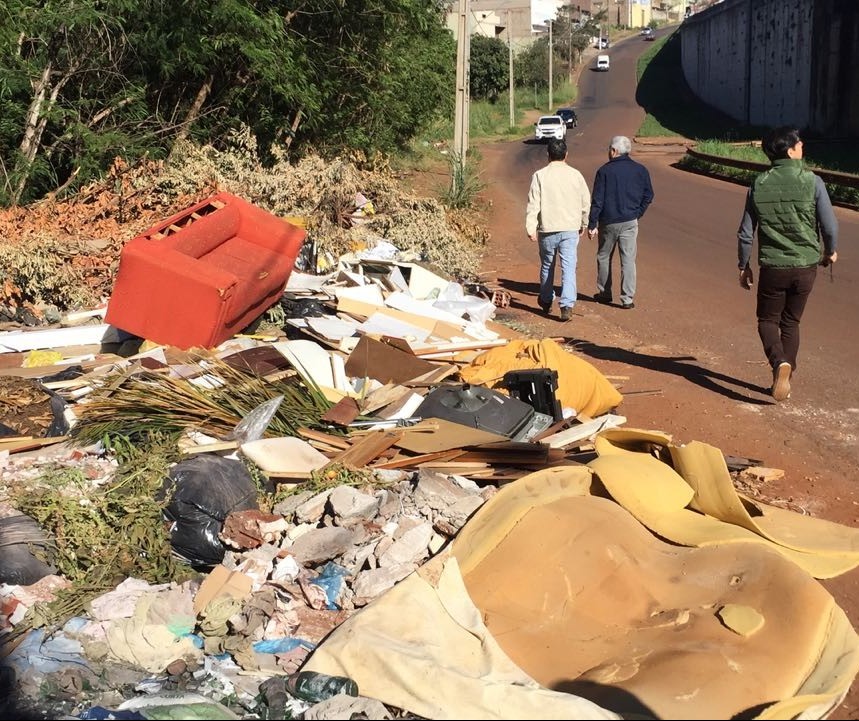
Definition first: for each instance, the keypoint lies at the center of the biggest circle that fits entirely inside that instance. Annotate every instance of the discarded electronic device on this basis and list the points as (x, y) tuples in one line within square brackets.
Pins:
[(486, 409), (537, 388)]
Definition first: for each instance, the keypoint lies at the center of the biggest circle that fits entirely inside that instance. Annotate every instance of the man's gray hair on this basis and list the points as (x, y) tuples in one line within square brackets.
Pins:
[(621, 144)]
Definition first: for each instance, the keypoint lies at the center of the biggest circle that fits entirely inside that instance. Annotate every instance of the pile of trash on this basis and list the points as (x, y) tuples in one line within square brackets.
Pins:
[(61, 254), (383, 503)]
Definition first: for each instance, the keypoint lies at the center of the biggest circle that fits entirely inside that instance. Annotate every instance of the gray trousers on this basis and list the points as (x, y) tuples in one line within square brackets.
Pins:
[(623, 236)]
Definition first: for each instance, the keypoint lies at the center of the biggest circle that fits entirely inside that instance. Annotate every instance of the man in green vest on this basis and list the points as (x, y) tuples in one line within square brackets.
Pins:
[(790, 209)]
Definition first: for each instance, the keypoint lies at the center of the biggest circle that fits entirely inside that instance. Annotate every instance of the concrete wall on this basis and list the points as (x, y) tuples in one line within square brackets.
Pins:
[(835, 82), (752, 59), (773, 62)]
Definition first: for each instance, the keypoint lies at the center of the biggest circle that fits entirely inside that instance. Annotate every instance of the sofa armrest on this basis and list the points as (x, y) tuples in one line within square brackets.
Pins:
[(168, 297)]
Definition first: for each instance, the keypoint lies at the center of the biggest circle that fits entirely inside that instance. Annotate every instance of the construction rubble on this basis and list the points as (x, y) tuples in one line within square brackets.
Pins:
[(379, 489)]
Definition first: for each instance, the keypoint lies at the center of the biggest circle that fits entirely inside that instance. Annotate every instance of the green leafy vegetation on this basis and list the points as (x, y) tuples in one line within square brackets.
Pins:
[(83, 82), (102, 534), (465, 184)]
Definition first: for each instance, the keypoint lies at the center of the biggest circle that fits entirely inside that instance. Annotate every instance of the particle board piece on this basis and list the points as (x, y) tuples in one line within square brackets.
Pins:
[(415, 461), (327, 439), (369, 448)]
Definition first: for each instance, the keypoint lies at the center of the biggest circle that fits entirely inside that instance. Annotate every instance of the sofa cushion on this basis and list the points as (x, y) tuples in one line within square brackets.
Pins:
[(259, 271)]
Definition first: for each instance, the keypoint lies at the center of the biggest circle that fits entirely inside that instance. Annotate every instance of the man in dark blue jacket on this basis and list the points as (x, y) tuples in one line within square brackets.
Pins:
[(621, 193)]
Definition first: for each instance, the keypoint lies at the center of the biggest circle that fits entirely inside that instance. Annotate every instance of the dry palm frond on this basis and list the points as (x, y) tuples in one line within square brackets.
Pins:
[(144, 404)]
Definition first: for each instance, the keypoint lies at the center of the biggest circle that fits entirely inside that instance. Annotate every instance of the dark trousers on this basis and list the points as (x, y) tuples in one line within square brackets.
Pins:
[(782, 295)]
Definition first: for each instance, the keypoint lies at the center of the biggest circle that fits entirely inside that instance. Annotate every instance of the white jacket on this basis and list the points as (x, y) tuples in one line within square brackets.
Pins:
[(559, 199)]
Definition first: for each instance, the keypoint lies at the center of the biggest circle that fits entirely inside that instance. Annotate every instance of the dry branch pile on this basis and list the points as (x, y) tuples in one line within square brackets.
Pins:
[(64, 252)]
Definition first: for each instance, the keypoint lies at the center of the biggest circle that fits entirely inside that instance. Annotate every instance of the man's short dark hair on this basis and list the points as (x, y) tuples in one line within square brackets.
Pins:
[(778, 141), (557, 149)]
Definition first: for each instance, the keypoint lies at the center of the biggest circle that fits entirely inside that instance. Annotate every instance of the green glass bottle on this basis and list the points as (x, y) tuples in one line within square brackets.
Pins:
[(314, 687)]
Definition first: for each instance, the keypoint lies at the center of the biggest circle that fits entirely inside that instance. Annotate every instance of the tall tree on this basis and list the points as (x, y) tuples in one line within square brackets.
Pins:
[(84, 80), (489, 67)]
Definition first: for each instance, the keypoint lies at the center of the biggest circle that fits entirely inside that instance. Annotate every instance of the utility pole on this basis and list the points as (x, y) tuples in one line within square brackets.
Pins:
[(510, 71), (550, 66), (461, 120), (570, 40)]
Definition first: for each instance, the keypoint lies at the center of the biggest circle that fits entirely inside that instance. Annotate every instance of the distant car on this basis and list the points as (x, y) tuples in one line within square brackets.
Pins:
[(648, 34), (601, 43), (550, 126), (603, 63), (569, 116)]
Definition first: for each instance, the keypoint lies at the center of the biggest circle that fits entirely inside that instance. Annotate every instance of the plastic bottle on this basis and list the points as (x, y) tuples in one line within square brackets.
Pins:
[(315, 687)]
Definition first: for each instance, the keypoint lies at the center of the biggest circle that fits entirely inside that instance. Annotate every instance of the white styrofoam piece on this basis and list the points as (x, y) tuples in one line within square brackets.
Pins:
[(16, 341)]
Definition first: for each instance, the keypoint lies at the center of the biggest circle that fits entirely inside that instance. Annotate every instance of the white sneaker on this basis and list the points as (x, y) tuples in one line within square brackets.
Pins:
[(781, 381)]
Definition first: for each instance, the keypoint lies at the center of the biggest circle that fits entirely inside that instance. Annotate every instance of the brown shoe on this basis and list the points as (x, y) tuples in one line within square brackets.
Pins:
[(781, 381), (566, 313)]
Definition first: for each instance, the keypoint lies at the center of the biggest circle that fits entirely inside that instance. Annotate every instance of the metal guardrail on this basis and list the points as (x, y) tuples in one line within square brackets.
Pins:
[(847, 180)]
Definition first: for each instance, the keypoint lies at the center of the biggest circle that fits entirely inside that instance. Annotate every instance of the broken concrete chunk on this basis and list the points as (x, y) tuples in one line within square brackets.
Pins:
[(321, 544), (348, 502), (411, 547), (406, 524), (375, 582), (458, 513), (289, 505), (437, 491), (311, 510)]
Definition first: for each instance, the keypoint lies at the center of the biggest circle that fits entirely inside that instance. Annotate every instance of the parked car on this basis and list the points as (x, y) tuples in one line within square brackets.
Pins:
[(568, 115), (601, 43), (550, 126)]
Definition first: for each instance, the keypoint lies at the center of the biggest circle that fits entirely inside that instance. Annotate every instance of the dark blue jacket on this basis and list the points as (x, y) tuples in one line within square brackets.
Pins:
[(622, 192)]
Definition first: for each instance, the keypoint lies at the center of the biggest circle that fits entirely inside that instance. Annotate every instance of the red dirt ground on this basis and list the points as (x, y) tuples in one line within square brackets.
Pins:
[(688, 359)]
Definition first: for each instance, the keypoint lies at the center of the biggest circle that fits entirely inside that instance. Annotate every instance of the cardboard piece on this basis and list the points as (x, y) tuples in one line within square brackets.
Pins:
[(449, 435), (222, 582), (261, 360), (438, 328), (386, 364)]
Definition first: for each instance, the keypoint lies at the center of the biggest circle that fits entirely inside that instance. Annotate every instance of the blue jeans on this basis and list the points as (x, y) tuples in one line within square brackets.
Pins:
[(564, 245), (623, 236)]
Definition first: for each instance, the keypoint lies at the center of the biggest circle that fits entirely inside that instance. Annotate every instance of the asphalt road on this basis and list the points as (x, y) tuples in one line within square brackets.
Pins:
[(688, 357)]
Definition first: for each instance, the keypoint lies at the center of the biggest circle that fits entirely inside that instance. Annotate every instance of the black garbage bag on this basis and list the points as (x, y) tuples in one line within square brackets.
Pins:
[(202, 492), (66, 374), (59, 425), (25, 551)]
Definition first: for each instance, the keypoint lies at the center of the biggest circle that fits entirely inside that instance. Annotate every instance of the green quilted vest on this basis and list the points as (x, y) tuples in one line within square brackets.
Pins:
[(783, 197)]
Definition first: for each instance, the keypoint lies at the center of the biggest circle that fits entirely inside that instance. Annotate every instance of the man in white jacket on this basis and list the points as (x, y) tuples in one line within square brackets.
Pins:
[(557, 214)]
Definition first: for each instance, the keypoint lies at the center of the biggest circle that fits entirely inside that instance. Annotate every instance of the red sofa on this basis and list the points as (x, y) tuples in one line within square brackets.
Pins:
[(204, 274)]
